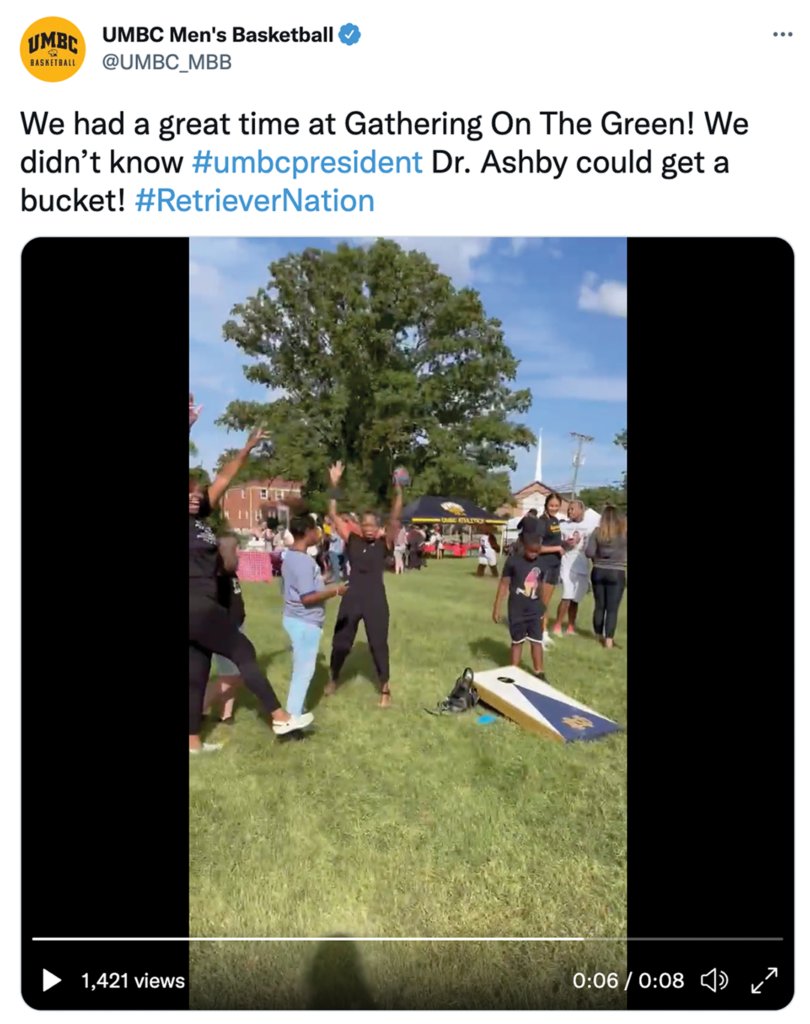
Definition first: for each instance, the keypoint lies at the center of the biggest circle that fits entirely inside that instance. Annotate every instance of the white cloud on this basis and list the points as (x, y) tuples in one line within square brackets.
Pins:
[(205, 282), (517, 245), (453, 256), (211, 383), (609, 297), (230, 254)]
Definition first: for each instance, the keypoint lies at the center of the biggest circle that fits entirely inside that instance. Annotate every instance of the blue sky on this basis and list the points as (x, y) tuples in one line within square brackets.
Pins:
[(563, 304)]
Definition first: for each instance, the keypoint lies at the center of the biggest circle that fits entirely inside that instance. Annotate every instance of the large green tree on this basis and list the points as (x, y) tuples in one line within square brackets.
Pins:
[(373, 357), (597, 497)]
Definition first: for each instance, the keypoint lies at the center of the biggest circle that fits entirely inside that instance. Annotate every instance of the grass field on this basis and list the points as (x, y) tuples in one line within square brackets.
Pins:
[(396, 823)]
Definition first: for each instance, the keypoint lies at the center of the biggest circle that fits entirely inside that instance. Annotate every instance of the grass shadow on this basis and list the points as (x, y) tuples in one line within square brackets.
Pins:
[(266, 660), (335, 979), (318, 684), (494, 650), (359, 663)]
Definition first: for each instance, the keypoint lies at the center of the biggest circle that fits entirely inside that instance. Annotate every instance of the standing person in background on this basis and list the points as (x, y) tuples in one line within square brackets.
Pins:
[(574, 568), (365, 601), (337, 556), (437, 540), (277, 550), (400, 550), (316, 537), (416, 548), (551, 553), (488, 550), (607, 548)]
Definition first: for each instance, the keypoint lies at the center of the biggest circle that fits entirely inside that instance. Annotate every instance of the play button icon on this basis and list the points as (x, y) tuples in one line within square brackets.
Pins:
[(49, 980)]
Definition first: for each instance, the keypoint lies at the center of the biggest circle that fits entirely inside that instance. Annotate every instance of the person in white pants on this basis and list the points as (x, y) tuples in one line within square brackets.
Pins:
[(574, 568), (488, 555)]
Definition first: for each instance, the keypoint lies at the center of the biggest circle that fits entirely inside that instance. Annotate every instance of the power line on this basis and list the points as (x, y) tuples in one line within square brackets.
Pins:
[(578, 459)]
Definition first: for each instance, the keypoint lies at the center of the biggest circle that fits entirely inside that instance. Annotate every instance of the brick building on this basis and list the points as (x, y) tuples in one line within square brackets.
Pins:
[(248, 506), (533, 495)]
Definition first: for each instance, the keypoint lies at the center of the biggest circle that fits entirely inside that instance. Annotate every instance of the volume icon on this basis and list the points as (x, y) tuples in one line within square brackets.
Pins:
[(714, 979)]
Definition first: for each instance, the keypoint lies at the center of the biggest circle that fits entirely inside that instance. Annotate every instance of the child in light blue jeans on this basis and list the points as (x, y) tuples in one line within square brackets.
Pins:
[(304, 612)]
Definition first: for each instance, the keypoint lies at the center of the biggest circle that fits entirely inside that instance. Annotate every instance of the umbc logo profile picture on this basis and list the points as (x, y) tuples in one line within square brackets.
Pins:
[(52, 49)]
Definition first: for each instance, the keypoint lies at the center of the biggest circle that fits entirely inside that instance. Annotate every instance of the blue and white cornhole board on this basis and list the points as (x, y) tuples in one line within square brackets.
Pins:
[(540, 708)]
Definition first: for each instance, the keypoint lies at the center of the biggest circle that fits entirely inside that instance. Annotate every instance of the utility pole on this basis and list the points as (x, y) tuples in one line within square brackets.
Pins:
[(578, 459)]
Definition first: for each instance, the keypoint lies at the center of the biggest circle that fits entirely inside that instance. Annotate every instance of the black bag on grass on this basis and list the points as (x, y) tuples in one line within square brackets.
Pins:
[(462, 697)]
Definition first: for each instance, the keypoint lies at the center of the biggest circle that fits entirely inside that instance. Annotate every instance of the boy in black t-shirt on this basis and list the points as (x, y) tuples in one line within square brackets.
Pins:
[(522, 579)]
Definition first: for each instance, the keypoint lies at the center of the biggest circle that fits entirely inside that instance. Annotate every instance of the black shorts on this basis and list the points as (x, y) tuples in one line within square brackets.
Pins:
[(521, 630), (551, 575)]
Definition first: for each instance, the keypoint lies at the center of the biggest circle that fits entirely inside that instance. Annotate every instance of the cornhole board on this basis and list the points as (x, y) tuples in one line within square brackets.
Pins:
[(540, 708)]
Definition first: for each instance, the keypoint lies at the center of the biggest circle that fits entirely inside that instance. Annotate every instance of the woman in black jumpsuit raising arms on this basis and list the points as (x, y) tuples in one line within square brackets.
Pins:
[(210, 628), (365, 600)]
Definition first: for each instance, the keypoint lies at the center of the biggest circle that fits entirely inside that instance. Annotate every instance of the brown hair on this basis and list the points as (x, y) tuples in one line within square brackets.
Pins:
[(612, 524)]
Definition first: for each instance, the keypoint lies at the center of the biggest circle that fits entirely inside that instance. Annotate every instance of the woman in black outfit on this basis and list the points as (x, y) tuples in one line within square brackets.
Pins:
[(607, 548), (365, 599), (211, 630), (551, 553), (222, 689)]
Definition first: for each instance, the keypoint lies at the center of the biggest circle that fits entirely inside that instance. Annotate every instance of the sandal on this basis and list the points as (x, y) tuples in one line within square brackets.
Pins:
[(385, 696)]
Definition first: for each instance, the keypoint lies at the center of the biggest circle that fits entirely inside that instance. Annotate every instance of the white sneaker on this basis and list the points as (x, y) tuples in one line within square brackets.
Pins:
[(293, 723), (547, 641), (207, 748)]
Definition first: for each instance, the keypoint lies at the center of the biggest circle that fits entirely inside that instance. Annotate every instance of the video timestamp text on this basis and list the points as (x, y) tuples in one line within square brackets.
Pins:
[(643, 980)]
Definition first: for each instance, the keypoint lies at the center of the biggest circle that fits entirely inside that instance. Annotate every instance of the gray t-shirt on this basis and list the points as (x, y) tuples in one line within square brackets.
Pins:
[(607, 554), (301, 576)]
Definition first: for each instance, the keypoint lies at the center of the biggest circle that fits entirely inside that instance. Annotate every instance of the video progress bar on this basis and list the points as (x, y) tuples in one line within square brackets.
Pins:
[(359, 938)]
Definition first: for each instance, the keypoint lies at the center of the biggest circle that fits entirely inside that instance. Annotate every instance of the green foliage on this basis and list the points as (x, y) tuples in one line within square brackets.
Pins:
[(374, 358), (597, 497), (621, 440)]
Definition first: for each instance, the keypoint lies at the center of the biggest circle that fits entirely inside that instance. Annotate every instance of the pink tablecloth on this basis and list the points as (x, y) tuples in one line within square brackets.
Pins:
[(255, 566)]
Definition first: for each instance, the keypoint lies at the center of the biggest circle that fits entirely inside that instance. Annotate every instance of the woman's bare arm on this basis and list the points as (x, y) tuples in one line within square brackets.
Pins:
[(227, 473)]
